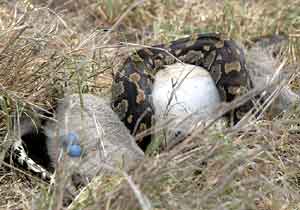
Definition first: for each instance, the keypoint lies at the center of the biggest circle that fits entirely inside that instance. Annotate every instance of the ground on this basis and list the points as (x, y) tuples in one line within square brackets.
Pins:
[(47, 45)]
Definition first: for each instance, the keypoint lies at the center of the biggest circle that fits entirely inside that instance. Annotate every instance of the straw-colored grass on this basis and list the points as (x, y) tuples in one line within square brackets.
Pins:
[(50, 48)]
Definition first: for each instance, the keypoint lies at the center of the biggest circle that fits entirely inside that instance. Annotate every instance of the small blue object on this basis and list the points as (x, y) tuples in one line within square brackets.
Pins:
[(72, 144), (72, 138), (74, 150)]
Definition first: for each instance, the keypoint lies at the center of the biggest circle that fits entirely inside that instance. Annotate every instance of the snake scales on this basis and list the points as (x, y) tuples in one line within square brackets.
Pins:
[(132, 84)]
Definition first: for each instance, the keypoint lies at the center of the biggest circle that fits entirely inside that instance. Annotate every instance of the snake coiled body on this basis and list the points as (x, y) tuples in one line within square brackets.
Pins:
[(132, 84)]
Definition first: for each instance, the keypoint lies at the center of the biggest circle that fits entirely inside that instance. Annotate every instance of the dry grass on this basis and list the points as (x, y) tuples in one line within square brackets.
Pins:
[(43, 50)]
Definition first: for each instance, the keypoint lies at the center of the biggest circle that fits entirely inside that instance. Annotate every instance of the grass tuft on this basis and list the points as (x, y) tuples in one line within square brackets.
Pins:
[(52, 48)]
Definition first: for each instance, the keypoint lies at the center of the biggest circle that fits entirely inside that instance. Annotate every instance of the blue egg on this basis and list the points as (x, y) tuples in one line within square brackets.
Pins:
[(69, 139), (72, 138), (74, 150)]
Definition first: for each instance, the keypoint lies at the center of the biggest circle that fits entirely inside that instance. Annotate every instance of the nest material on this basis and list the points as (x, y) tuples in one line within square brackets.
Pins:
[(32, 67), (26, 80)]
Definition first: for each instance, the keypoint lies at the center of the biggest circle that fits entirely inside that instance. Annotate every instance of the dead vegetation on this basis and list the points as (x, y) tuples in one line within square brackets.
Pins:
[(49, 48)]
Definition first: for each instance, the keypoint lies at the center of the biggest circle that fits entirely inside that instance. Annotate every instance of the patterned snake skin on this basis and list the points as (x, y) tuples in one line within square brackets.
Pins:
[(21, 157), (132, 84)]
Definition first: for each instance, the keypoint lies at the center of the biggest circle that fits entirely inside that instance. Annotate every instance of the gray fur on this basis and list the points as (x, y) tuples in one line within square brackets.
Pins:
[(103, 137), (106, 143), (262, 66)]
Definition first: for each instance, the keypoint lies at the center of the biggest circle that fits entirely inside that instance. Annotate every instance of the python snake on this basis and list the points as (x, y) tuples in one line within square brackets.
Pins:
[(133, 82)]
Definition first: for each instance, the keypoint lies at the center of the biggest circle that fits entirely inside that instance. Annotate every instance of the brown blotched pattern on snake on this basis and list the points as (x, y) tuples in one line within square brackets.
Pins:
[(132, 84)]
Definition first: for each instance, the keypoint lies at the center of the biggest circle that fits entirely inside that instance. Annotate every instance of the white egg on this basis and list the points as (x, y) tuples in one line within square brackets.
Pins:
[(183, 91), (184, 88)]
